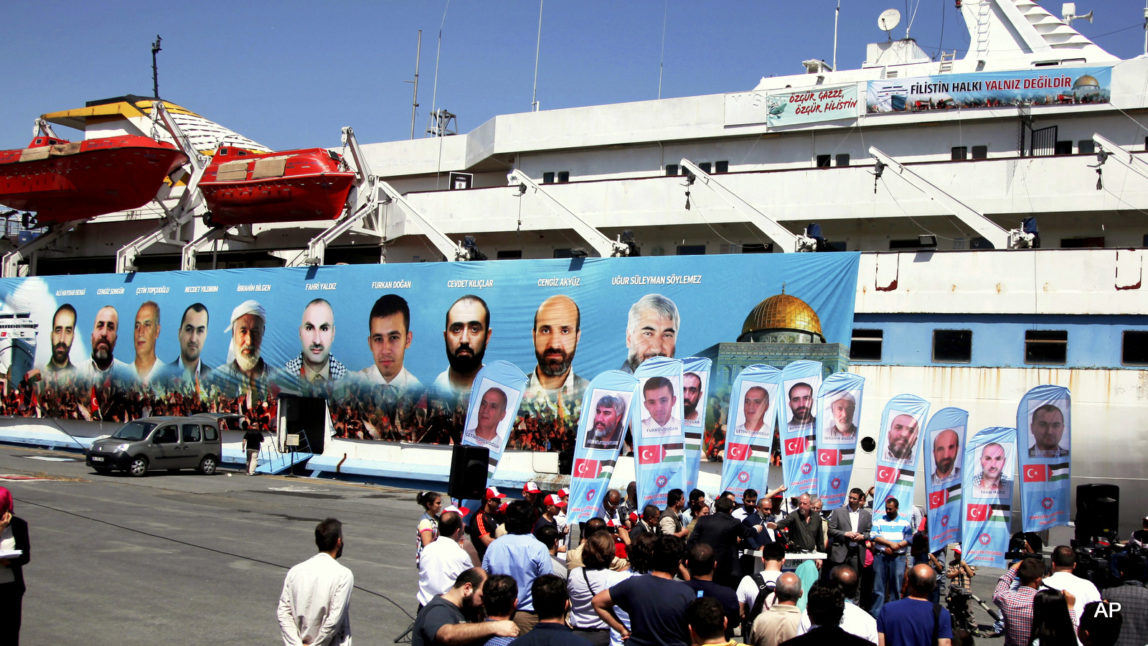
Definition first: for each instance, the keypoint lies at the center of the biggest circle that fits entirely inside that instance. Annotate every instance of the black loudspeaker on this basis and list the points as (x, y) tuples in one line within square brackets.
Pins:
[(1097, 511), (468, 466), (566, 462), (306, 416)]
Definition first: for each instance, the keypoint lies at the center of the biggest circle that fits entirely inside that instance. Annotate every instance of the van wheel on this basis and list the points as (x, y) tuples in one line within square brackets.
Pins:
[(138, 466), (207, 465)]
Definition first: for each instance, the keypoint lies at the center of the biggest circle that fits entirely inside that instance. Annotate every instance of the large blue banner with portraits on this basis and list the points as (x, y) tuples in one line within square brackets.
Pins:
[(990, 461), (695, 391), (945, 443), (797, 425), (897, 443), (601, 432), (656, 426), (394, 348), (839, 401), (753, 398), (1044, 422)]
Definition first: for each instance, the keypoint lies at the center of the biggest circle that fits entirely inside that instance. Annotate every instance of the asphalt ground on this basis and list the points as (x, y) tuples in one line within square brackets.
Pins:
[(182, 558)]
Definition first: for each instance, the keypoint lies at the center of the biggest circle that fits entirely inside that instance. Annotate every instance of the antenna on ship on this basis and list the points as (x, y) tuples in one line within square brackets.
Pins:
[(537, 50), (415, 99), (155, 49)]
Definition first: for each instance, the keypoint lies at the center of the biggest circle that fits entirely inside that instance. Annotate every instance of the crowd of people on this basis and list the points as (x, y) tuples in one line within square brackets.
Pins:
[(116, 403), (712, 571)]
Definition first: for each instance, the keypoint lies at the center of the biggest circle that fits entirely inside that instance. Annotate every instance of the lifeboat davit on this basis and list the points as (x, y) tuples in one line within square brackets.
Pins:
[(62, 180), (245, 187)]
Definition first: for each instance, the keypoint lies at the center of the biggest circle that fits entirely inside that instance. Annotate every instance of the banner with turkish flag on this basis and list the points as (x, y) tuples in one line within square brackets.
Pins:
[(987, 474), (797, 424), (695, 395), (838, 424), (749, 429), (656, 426), (944, 447), (606, 406), (897, 441), (498, 387), (1044, 443)]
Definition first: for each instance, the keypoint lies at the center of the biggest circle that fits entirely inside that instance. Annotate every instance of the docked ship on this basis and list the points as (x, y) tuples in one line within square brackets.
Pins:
[(998, 199)]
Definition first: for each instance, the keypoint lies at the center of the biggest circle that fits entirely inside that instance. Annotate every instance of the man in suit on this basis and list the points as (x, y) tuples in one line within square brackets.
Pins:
[(849, 528), (723, 533)]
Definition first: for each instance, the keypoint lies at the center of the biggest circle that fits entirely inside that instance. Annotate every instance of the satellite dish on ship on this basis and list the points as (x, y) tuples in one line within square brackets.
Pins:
[(888, 20)]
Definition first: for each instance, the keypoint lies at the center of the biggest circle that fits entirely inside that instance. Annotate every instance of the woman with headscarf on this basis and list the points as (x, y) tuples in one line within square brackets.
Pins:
[(14, 554), (1051, 619)]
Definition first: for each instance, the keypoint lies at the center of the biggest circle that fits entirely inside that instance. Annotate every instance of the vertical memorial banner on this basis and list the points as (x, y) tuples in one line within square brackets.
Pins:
[(897, 442), (839, 400), (945, 441), (797, 420), (494, 398), (695, 391), (990, 460), (753, 397), (601, 432), (656, 426), (1043, 422)]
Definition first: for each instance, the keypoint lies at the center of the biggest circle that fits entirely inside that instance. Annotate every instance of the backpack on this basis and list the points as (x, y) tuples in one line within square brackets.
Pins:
[(766, 595)]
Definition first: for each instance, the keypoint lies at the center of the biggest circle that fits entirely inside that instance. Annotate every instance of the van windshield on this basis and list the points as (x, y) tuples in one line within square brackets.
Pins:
[(134, 431)]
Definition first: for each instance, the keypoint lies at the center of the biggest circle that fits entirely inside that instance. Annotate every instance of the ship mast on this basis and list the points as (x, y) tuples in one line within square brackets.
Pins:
[(155, 49)]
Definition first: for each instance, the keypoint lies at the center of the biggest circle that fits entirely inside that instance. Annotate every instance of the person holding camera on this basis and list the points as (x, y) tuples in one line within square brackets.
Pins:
[(1016, 604)]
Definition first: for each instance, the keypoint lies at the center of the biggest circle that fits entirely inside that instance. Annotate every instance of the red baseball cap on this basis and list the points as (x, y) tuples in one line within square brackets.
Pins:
[(491, 492), (564, 492), (553, 499), (531, 487)]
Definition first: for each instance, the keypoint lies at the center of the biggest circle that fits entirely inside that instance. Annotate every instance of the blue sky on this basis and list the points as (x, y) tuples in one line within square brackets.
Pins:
[(289, 74)]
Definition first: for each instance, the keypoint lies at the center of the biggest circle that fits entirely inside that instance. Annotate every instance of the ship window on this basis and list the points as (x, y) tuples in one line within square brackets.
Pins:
[(757, 247), (842, 159), (721, 166), (866, 345), (1095, 242), (1045, 346), (960, 153), (509, 254), (671, 170), (563, 176), (980, 242), (980, 152), (823, 161), (548, 178), (1063, 148), (1135, 348), (704, 166), (952, 346), (691, 250), (1086, 146)]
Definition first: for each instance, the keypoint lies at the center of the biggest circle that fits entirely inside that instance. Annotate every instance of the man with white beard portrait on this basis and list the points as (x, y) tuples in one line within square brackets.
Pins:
[(245, 369)]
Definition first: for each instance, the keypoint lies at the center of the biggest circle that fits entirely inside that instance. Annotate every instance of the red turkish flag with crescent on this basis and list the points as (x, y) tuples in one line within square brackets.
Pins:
[(978, 512), (584, 468), (795, 445), (827, 457), (737, 451), (1036, 473), (886, 474), (650, 454), (937, 499)]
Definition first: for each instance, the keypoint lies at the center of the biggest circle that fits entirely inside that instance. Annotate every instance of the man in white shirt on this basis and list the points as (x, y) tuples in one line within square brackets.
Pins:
[(660, 402), (443, 560), (315, 605), (1062, 578), (854, 621)]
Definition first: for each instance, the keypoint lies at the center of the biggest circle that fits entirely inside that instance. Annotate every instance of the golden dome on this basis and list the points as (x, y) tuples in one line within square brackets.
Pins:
[(782, 312), (1086, 81)]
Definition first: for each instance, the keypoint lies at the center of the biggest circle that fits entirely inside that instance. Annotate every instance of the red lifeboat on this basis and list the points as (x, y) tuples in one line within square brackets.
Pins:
[(62, 180), (245, 187)]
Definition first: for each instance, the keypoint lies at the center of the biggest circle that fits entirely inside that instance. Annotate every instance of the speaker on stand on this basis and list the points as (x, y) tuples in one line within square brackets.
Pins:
[(468, 466), (1097, 512)]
